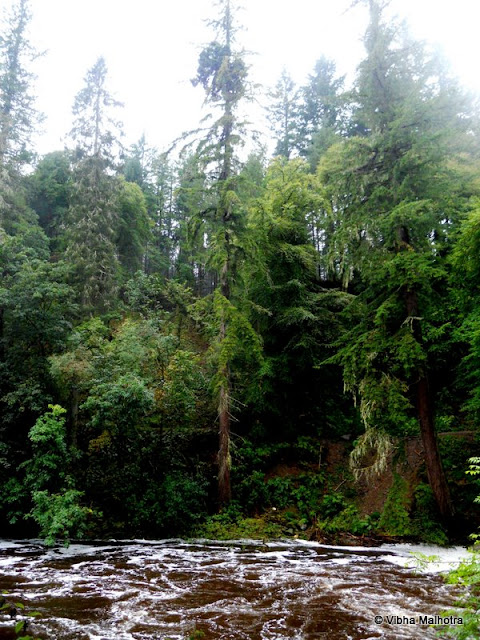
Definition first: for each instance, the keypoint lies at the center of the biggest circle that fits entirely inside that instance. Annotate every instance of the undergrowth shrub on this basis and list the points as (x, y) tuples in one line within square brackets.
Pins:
[(395, 518)]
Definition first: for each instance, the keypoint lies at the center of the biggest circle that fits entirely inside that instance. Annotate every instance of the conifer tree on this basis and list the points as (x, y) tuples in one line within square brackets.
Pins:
[(390, 192), (283, 115), (18, 116), (93, 211), (222, 72), (321, 112), (154, 173), (22, 242), (194, 214)]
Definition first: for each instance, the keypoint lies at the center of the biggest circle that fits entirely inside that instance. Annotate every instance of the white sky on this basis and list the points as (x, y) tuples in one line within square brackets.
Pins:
[(151, 49)]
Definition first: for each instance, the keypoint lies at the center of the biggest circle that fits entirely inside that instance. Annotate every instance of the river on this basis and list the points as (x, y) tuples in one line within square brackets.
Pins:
[(282, 590)]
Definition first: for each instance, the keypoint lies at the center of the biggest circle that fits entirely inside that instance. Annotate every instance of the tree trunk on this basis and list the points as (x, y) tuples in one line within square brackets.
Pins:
[(224, 460), (435, 472), (433, 463)]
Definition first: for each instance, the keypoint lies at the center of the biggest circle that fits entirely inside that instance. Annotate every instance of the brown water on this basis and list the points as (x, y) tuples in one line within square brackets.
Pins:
[(140, 590)]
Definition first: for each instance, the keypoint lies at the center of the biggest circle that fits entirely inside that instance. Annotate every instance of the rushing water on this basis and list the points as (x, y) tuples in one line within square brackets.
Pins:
[(237, 590)]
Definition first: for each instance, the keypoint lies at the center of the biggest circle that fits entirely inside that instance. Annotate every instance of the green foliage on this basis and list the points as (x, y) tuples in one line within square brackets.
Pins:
[(301, 492), (175, 507), (389, 187), (142, 403), (240, 350), (221, 74), (218, 527), (47, 468), (395, 518), (295, 316), (474, 470), (420, 561), (465, 278), (18, 117), (93, 217), (183, 502), (280, 491), (467, 575), (49, 192), (321, 114), (120, 405), (425, 524), (36, 309), (283, 114), (56, 504), (332, 504), (465, 252), (37, 304), (21, 614), (184, 390), (60, 515), (133, 232), (92, 230), (348, 520), (45, 482), (14, 500), (276, 288)]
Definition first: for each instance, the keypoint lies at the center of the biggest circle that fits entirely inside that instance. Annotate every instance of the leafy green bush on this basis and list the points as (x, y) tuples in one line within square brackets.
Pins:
[(474, 470), (332, 504), (20, 614), (47, 467), (302, 491), (217, 527), (467, 575), (308, 494), (254, 491), (280, 492), (395, 518), (57, 505), (184, 502), (425, 523), (349, 521), (59, 515)]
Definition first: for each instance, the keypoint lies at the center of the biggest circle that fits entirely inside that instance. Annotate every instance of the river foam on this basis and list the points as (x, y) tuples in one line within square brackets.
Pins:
[(241, 589)]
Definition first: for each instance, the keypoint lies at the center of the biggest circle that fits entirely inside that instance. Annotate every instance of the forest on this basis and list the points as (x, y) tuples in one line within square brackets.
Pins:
[(210, 341)]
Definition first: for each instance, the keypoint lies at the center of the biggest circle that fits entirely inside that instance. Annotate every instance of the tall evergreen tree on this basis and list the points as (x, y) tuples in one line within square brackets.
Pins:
[(23, 245), (291, 309), (154, 173), (321, 112), (391, 191), (18, 116), (93, 211), (194, 213), (222, 73), (283, 114)]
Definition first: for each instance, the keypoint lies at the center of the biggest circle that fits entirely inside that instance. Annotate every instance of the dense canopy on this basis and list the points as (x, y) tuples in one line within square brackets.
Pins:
[(195, 337)]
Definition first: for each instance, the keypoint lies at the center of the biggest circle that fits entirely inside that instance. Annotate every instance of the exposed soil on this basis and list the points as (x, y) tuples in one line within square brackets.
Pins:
[(407, 459)]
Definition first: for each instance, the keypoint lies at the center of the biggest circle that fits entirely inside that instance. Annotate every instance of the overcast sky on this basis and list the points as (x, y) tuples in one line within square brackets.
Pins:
[(151, 48)]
